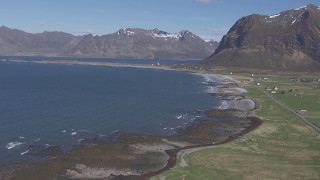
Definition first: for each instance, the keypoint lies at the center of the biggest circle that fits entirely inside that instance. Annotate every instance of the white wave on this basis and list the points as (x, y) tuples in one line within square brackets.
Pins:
[(73, 133), (80, 140), (208, 77), (212, 89), (222, 79), (25, 152), (12, 145), (64, 131), (21, 137), (179, 117), (36, 140)]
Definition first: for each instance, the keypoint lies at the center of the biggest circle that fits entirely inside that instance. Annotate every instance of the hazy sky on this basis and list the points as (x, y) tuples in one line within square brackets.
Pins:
[(209, 19)]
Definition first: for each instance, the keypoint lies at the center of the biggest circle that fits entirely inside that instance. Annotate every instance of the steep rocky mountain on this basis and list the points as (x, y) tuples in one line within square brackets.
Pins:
[(213, 43), (16, 42), (289, 40), (125, 43), (146, 44)]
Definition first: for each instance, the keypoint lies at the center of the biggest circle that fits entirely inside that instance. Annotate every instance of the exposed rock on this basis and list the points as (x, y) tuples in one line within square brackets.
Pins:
[(289, 40), (132, 43)]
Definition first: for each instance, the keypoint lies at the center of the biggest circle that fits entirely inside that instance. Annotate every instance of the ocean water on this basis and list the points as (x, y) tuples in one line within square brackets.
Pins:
[(64, 105)]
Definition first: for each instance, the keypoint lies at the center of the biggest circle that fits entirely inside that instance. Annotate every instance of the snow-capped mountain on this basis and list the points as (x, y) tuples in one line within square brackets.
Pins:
[(213, 44), (143, 44), (288, 18), (125, 43)]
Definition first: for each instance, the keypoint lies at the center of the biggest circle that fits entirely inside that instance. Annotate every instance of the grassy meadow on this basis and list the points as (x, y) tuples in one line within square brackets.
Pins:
[(283, 147)]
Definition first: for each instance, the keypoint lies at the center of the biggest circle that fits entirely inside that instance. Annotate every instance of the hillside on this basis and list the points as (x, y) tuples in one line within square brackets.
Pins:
[(126, 43), (289, 40)]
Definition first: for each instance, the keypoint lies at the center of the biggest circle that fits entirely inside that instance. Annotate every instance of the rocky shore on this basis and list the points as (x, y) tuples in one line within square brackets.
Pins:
[(135, 156), (237, 107)]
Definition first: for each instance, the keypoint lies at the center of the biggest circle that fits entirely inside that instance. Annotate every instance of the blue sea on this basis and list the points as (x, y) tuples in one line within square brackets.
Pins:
[(64, 105)]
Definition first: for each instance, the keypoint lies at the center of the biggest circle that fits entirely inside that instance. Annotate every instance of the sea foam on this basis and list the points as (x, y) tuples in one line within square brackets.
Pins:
[(12, 145)]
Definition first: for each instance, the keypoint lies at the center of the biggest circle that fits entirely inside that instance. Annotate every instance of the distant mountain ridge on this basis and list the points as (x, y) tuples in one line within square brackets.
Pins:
[(126, 43), (289, 40)]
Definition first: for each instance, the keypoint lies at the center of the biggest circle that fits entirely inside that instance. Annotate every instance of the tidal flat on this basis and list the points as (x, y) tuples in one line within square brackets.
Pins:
[(132, 155)]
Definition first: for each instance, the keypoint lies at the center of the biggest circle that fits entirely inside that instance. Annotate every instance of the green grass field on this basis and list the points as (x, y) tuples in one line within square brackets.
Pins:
[(315, 121), (306, 98), (283, 147)]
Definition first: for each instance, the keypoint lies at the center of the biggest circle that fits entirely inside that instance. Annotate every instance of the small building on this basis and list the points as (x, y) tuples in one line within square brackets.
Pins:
[(293, 90), (268, 88), (294, 79), (273, 92), (282, 92), (306, 80), (276, 88), (258, 84)]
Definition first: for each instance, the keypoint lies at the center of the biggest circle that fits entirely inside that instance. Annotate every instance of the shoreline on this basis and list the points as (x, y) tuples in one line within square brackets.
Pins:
[(172, 153), (107, 64), (172, 161)]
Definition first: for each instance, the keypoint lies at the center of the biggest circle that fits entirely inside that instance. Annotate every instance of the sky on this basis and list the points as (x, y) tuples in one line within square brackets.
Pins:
[(209, 19)]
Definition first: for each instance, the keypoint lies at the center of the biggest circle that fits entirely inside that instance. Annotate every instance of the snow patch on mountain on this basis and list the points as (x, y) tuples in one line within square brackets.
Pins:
[(168, 35), (297, 19), (287, 18), (274, 16), (125, 31), (156, 33), (300, 8)]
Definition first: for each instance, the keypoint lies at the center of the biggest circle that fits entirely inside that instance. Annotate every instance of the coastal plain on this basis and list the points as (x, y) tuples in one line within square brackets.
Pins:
[(283, 147)]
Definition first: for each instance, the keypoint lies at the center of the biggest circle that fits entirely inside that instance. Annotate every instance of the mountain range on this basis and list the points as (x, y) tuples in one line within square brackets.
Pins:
[(289, 40), (133, 43)]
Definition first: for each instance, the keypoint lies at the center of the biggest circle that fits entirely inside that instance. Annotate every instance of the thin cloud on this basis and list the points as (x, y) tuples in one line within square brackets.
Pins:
[(214, 33), (89, 31), (204, 1), (98, 11), (201, 18), (220, 31), (41, 23)]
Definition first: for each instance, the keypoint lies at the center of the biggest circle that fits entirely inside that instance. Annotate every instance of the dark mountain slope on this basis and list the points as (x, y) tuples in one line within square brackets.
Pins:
[(286, 41), (126, 43), (148, 44), (16, 42)]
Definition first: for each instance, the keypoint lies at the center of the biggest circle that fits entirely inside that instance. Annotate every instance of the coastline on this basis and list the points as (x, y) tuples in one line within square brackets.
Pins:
[(227, 88), (175, 154), (107, 64)]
